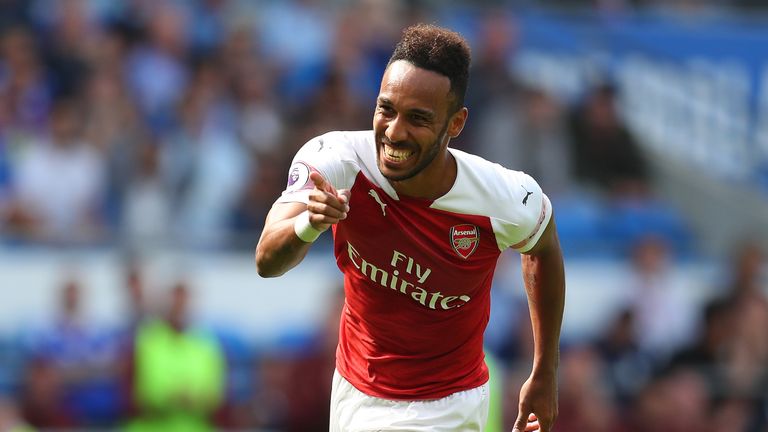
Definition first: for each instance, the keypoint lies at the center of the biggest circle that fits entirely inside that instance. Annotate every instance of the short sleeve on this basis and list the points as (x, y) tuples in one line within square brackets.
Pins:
[(530, 213), (321, 155)]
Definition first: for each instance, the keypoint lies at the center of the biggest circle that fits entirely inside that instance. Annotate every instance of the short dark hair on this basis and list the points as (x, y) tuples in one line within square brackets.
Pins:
[(438, 50)]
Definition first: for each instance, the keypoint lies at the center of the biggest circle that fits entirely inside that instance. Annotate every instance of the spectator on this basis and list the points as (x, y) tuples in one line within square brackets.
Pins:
[(135, 294), (528, 134), (70, 36), (308, 390), (204, 163), (735, 414), (664, 317), (606, 155), (259, 125), (43, 402), (748, 354), (25, 94), (520, 127), (291, 393), (708, 353), (14, 12), (76, 364), (58, 183), (299, 56), (178, 372), (256, 199), (493, 94), (364, 35), (747, 278), (155, 69), (585, 403), (113, 125), (677, 400), (627, 368), (146, 207)]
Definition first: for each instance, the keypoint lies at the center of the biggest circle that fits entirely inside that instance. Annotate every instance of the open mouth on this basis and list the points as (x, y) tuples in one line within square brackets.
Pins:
[(396, 155)]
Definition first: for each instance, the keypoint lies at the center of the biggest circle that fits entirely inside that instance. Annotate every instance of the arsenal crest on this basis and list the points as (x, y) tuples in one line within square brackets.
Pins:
[(464, 239)]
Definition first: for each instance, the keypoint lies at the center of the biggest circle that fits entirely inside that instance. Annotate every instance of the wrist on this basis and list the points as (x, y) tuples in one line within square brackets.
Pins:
[(548, 362), (304, 229), (548, 368)]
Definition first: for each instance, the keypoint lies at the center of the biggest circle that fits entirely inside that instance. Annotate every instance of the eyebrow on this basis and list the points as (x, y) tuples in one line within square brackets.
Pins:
[(420, 111), (383, 100), (429, 115)]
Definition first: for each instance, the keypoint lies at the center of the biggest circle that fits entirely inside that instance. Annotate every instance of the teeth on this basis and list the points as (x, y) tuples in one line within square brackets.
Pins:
[(396, 154)]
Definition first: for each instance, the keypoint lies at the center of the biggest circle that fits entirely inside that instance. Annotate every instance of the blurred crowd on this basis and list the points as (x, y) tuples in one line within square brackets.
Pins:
[(140, 124), (663, 362), (147, 124), (660, 362), (159, 370)]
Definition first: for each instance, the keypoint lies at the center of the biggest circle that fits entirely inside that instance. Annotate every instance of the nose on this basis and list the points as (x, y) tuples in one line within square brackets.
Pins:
[(396, 130)]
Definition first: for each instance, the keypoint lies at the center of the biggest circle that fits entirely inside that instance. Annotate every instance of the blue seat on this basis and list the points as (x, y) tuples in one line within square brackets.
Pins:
[(627, 222)]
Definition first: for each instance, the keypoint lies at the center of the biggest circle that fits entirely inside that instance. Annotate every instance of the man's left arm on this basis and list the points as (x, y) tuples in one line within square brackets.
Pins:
[(544, 278)]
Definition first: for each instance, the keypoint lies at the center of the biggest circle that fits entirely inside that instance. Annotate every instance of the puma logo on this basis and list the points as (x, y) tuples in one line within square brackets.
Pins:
[(378, 200), (320, 141), (527, 194)]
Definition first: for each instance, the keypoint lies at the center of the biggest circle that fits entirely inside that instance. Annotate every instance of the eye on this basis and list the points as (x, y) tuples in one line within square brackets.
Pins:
[(420, 119), (385, 110)]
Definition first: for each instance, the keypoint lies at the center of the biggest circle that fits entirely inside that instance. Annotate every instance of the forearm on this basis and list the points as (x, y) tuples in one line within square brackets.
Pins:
[(279, 248), (544, 278)]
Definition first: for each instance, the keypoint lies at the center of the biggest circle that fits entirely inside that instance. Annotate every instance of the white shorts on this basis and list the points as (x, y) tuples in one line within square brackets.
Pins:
[(355, 411)]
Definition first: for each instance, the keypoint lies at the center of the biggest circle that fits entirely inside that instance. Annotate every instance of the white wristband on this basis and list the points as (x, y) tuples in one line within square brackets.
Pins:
[(304, 229)]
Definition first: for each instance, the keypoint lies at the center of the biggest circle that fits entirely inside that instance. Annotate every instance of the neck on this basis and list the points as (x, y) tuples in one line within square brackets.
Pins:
[(431, 183)]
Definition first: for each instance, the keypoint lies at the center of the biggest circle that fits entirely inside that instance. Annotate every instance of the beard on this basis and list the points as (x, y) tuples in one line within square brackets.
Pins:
[(431, 153)]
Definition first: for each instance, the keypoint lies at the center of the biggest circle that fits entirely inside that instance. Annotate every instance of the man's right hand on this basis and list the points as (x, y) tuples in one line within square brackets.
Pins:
[(280, 249), (326, 206)]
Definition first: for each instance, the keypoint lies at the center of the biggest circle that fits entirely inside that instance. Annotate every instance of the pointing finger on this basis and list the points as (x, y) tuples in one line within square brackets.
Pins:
[(321, 183)]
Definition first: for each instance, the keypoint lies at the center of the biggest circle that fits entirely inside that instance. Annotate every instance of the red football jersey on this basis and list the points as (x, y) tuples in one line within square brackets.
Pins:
[(418, 273)]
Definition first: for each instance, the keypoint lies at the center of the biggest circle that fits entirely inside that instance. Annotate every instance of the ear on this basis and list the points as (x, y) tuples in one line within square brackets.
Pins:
[(457, 121)]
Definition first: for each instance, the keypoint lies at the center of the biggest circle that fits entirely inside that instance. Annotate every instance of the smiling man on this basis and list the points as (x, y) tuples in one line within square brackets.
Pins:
[(418, 228)]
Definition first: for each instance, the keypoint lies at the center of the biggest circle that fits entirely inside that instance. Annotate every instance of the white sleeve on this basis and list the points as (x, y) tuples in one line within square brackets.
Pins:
[(322, 154), (528, 216)]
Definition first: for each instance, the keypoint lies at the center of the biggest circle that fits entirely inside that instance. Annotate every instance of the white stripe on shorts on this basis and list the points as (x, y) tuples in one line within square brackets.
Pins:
[(355, 411)]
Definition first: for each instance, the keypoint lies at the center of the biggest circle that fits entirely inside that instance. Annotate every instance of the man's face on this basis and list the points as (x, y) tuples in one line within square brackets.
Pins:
[(411, 121)]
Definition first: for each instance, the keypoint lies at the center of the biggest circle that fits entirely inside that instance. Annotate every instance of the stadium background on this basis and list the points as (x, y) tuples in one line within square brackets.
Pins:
[(142, 142)]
